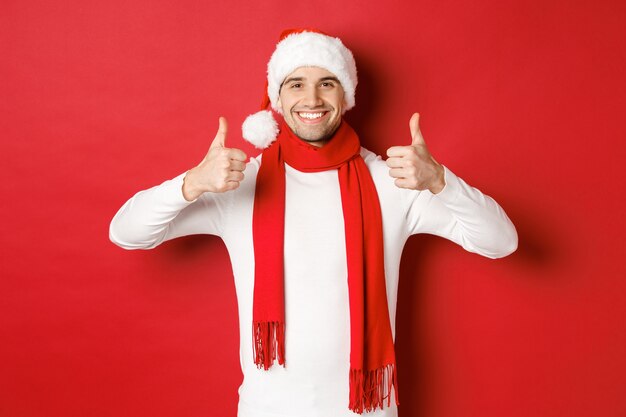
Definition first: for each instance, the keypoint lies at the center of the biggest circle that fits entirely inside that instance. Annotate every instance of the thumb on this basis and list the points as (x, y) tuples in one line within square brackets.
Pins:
[(416, 134), (220, 137)]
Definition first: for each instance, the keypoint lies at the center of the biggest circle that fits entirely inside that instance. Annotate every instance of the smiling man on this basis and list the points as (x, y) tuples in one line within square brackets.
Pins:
[(312, 101), (315, 226)]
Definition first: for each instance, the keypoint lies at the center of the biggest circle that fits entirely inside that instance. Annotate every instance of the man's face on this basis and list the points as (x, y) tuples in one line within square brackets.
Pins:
[(312, 100)]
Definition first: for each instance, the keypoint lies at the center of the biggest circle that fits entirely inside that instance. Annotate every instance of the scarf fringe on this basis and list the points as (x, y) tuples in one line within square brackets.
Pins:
[(368, 389), (268, 343)]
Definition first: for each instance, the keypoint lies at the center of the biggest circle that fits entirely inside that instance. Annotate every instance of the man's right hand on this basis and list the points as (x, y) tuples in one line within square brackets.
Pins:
[(221, 169)]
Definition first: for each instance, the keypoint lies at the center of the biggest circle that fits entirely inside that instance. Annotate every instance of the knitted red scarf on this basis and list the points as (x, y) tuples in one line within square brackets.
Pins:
[(372, 357)]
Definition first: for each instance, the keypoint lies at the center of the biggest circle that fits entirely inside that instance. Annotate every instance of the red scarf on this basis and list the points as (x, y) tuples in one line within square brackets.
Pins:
[(372, 357)]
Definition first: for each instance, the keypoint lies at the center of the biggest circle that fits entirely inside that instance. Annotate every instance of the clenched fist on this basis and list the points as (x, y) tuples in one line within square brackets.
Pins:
[(221, 169), (413, 166)]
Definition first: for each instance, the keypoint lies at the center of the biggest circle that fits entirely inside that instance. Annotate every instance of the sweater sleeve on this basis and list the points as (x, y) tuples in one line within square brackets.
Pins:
[(464, 215), (161, 213)]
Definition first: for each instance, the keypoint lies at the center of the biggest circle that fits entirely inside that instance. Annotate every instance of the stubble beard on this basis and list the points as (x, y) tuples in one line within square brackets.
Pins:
[(312, 134)]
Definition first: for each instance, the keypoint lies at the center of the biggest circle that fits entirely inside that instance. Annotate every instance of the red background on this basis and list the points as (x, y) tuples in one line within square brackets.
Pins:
[(524, 100)]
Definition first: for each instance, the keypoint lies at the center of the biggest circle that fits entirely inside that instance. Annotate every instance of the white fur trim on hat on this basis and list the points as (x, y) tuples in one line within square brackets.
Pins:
[(260, 129), (311, 49)]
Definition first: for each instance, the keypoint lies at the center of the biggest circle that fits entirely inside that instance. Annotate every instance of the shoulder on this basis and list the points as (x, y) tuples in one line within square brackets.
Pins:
[(375, 163), (252, 167), (368, 155), (254, 163), (378, 169)]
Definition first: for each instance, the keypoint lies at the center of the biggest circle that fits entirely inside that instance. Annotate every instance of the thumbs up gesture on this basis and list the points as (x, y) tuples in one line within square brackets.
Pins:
[(413, 166), (221, 169)]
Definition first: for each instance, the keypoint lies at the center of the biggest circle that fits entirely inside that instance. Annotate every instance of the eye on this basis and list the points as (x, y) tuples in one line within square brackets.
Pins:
[(327, 84), (296, 85)]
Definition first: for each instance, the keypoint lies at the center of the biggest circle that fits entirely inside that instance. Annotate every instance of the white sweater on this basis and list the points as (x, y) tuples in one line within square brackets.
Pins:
[(314, 382)]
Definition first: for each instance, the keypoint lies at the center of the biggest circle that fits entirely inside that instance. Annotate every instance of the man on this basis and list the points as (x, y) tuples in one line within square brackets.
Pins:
[(315, 227)]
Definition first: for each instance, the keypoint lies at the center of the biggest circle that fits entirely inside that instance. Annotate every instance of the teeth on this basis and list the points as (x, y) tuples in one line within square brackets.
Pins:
[(311, 115)]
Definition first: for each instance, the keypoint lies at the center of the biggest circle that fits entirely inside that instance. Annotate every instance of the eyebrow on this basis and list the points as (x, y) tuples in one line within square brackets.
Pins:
[(288, 80)]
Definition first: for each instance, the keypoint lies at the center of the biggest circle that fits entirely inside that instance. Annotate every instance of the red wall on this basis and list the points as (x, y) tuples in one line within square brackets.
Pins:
[(525, 100)]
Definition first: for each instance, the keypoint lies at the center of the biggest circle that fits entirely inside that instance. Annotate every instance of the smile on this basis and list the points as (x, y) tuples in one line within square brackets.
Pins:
[(311, 117)]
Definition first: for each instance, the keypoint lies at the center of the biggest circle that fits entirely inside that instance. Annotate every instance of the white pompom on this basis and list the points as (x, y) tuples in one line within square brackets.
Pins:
[(260, 129)]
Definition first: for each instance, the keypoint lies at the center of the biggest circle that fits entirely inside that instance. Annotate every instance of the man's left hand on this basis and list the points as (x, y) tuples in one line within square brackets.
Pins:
[(413, 166)]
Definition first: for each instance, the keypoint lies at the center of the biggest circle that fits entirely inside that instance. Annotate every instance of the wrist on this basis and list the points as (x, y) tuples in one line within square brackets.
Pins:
[(440, 183), (190, 191)]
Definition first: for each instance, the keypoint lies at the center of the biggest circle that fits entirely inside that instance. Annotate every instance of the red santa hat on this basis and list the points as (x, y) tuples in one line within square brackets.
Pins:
[(299, 48)]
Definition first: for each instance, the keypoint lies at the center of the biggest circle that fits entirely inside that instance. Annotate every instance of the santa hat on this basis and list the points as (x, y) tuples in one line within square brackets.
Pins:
[(299, 48)]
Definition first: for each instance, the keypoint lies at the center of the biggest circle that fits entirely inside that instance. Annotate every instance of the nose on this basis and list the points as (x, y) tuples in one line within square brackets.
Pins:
[(312, 97)]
